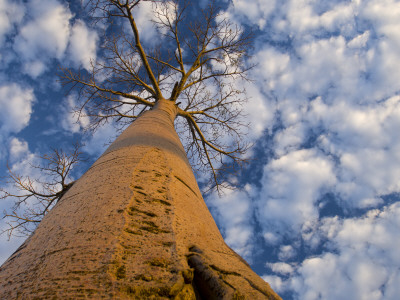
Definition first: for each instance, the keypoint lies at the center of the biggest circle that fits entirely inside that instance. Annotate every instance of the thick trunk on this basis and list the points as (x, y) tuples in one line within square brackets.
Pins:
[(134, 226)]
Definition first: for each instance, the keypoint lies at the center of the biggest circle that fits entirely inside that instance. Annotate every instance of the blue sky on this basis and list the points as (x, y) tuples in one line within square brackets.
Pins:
[(318, 216)]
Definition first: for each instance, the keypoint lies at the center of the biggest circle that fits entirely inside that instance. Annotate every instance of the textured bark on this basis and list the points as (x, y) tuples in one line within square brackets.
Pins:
[(133, 226)]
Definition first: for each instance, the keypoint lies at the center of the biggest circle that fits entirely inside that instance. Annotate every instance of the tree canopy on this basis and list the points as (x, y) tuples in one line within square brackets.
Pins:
[(195, 62)]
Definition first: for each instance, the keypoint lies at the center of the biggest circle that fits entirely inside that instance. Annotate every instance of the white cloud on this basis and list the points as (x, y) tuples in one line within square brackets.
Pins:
[(96, 144), (271, 238), (45, 34), (16, 107), (22, 164), (48, 33), (259, 110), (144, 15), (281, 268), (18, 149), (82, 46), (364, 140), (330, 58), (233, 211), (290, 138), (338, 82), (34, 68), (147, 14), (276, 283), (365, 262), (385, 15), (291, 186), (256, 11), (332, 67), (11, 13), (272, 68), (286, 252), (360, 40), (304, 17)]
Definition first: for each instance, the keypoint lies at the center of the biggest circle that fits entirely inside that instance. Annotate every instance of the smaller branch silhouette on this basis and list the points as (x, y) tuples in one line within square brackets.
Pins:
[(33, 198)]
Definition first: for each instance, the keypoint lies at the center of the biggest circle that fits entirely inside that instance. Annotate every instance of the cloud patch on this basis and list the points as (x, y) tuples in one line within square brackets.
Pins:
[(50, 33), (18, 149), (364, 265), (16, 107), (233, 212), (335, 105), (291, 186), (83, 44), (44, 35), (329, 72)]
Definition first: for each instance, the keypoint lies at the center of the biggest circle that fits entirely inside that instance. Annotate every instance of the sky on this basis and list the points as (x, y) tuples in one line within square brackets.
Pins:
[(318, 211)]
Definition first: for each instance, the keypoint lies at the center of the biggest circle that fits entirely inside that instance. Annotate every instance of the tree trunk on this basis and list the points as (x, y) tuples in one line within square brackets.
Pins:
[(133, 226)]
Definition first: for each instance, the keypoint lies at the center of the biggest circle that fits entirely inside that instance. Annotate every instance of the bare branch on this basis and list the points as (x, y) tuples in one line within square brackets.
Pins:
[(34, 198), (196, 62)]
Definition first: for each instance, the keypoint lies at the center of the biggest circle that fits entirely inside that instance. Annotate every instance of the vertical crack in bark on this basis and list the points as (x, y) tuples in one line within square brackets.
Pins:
[(213, 282), (209, 283)]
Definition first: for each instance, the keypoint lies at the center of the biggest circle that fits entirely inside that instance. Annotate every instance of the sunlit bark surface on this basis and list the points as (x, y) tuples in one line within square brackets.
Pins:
[(133, 226)]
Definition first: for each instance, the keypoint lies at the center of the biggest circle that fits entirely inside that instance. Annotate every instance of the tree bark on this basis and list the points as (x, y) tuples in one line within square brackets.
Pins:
[(133, 226)]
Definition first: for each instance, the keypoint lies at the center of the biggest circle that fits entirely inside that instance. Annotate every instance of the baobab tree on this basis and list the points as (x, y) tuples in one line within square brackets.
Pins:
[(135, 224)]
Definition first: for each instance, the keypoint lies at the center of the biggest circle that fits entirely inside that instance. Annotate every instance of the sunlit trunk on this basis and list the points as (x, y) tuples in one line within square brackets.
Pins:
[(133, 226)]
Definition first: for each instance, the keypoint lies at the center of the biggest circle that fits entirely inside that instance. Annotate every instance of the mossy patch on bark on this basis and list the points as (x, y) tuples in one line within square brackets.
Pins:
[(162, 202), (128, 230), (140, 292), (143, 277), (132, 210), (159, 262), (153, 228)]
